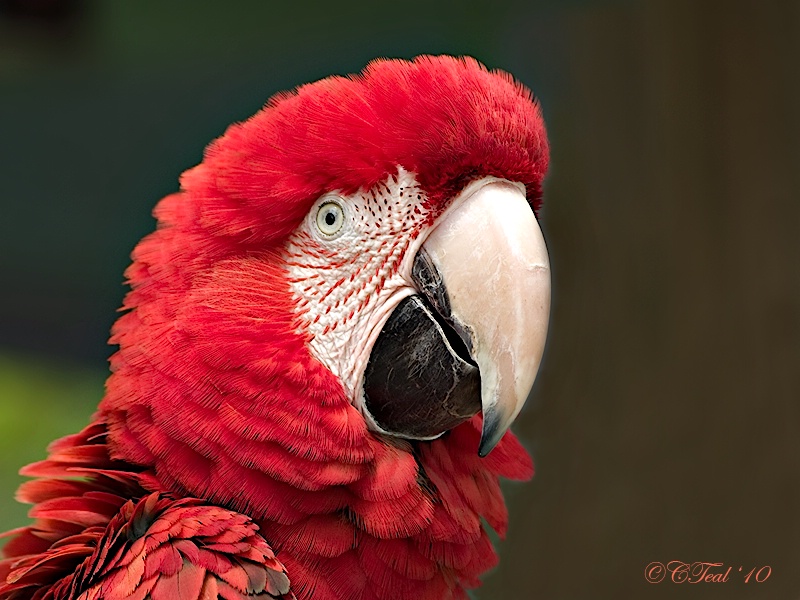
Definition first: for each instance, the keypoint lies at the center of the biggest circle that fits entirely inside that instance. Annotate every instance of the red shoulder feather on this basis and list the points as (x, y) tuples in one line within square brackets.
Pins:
[(88, 542)]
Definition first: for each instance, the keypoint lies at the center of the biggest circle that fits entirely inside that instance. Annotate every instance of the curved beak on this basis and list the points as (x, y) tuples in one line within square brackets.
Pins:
[(489, 251)]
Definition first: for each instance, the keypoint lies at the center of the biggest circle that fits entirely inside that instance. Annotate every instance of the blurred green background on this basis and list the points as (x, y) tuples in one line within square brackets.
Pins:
[(665, 424)]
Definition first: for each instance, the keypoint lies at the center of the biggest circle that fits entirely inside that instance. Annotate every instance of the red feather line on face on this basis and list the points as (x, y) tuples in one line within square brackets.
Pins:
[(351, 294), (214, 393)]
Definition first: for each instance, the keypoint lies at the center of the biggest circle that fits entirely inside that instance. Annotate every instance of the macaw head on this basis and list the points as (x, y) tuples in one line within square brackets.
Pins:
[(352, 283)]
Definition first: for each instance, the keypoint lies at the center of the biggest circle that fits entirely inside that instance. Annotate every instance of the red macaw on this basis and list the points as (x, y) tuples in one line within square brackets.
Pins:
[(326, 339)]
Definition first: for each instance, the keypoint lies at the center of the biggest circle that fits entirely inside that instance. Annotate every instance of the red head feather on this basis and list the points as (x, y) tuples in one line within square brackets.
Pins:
[(445, 119)]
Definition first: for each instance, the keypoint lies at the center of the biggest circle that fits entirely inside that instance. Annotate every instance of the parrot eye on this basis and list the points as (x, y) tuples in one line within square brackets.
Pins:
[(330, 218)]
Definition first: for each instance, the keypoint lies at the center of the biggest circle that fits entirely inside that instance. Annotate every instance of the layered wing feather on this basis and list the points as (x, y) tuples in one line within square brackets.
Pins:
[(89, 542)]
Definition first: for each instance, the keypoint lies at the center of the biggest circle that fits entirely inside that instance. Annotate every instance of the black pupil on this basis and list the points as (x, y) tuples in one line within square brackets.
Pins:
[(330, 218)]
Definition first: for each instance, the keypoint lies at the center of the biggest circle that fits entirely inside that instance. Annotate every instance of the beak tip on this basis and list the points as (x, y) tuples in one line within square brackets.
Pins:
[(486, 446), (491, 434)]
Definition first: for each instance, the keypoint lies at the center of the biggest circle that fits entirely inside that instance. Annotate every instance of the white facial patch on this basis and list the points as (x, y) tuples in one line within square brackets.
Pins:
[(349, 265)]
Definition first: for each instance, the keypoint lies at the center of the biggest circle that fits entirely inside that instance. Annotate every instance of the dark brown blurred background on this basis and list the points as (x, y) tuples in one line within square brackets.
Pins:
[(666, 421)]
